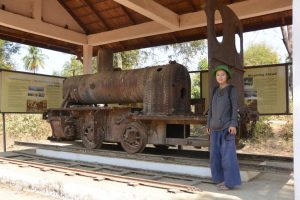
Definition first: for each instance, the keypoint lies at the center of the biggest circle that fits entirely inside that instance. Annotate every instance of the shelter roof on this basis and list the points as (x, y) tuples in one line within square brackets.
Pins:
[(67, 25)]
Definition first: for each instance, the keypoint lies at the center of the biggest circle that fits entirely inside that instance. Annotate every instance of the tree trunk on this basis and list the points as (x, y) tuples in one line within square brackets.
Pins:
[(287, 40)]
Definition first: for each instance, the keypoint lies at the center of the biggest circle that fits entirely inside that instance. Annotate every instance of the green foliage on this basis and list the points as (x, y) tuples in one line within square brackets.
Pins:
[(127, 59), (195, 93), (34, 59), (73, 67), (203, 64), (26, 126), (260, 54), (261, 132), (7, 49), (185, 51)]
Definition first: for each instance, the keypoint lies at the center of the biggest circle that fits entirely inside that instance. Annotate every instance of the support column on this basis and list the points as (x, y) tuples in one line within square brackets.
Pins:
[(87, 59), (4, 132), (296, 92)]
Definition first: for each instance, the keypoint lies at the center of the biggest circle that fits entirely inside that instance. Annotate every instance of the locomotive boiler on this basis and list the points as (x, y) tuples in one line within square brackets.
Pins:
[(131, 107)]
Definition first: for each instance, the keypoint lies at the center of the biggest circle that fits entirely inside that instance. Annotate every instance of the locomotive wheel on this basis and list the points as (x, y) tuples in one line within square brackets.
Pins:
[(69, 132), (134, 138), (91, 138)]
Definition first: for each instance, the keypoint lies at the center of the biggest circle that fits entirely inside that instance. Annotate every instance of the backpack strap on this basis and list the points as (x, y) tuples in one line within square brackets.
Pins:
[(229, 97), (214, 91)]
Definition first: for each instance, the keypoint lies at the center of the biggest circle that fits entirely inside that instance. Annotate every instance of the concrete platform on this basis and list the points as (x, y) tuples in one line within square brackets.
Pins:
[(176, 168)]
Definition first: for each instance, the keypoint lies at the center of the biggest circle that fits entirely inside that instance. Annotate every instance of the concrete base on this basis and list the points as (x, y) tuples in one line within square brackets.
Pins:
[(198, 171)]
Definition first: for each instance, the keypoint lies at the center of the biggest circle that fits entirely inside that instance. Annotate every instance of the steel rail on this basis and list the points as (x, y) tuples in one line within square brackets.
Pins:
[(172, 187)]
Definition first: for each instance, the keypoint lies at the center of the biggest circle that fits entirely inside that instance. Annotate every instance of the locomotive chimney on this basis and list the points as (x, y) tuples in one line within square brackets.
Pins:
[(104, 60)]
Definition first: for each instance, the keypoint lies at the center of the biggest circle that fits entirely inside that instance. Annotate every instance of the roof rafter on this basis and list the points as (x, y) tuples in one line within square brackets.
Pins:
[(131, 19), (244, 10), (100, 18), (154, 11), (74, 16)]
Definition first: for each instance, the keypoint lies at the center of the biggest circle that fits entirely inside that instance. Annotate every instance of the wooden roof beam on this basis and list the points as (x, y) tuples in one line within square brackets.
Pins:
[(154, 11), (38, 27), (244, 10)]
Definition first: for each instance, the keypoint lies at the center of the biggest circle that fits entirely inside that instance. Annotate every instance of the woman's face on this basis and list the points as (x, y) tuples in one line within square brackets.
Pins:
[(221, 77)]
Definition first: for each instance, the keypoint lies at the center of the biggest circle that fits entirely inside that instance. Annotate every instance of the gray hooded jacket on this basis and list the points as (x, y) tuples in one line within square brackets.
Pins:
[(220, 116)]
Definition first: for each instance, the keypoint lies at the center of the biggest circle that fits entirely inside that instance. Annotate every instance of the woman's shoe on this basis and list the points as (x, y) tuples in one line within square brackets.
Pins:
[(223, 187)]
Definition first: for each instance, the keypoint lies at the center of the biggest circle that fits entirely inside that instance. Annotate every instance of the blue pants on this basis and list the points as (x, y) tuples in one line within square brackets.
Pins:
[(223, 159)]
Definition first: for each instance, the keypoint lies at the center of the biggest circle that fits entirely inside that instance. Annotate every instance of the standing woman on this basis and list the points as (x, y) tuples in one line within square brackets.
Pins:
[(221, 125)]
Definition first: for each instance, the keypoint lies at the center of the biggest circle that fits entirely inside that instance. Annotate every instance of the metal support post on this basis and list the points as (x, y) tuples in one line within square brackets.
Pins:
[(4, 132)]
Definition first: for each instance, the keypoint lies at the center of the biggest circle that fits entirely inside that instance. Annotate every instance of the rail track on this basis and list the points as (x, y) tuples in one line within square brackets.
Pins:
[(100, 172), (251, 162)]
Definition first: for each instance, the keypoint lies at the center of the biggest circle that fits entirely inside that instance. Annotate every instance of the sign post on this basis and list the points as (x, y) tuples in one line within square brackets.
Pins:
[(4, 132), (22, 92)]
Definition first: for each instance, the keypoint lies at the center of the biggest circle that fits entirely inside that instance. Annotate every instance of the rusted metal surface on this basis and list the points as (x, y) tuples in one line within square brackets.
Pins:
[(162, 89), (134, 137), (225, 52), (177, 119), (104, 60), (133, 131)]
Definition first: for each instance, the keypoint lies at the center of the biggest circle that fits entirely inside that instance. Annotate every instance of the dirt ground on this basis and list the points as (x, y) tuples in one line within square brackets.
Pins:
[(272, 146), (12, 193)]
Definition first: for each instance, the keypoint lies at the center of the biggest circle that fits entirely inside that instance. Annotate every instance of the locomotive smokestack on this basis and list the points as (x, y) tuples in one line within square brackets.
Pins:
[(104, 60)]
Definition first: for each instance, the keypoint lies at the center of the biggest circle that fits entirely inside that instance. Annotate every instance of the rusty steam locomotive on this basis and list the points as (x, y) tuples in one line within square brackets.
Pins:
[(89, 111)]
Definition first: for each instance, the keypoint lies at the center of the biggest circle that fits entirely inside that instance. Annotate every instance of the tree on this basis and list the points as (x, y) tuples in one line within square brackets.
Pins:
[(185, 51), (260, 54), (34, 59), (127, 59), (203, 65), (73, 67), (7, 49), (288, 40)]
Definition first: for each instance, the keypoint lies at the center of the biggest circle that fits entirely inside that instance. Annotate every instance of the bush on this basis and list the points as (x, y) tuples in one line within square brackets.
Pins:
[(287, 131), (26, 126), (261, 132)]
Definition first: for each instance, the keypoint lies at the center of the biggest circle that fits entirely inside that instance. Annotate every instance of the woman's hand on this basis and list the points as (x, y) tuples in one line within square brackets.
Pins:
[(232, 130), (208, 130)]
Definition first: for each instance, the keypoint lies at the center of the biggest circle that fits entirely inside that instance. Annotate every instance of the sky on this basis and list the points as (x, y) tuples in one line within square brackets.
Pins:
[(56, 60)]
